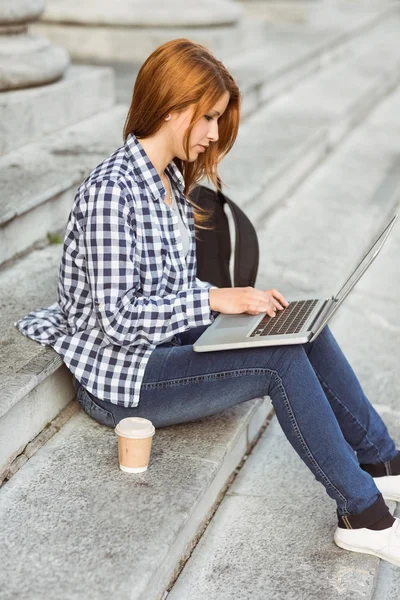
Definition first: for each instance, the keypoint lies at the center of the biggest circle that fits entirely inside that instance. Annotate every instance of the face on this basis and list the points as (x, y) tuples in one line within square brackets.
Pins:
[(204, 132)]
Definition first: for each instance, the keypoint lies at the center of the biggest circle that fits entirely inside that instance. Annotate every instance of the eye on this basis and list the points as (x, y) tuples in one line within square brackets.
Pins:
[(208, 117)]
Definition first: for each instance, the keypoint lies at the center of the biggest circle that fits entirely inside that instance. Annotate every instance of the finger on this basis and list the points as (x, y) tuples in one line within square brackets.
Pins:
[(268, 304), (279, 297), (278, 306), (268, 308), (272, 309)]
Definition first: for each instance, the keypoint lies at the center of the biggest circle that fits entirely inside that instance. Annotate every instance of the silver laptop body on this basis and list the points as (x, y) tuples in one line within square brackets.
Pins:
[(300, 322)]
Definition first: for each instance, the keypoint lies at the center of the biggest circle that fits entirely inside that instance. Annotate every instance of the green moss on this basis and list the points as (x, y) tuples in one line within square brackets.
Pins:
[(54, 238)]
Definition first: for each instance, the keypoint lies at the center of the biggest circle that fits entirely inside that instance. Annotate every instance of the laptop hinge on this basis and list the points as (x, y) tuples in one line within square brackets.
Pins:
[(325, 308)]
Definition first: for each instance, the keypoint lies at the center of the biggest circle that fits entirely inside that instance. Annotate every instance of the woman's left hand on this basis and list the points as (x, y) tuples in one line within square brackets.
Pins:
[(278, 299)]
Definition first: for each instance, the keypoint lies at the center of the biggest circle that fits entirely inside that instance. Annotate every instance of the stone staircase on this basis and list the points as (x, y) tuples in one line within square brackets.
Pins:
[(56, 464)]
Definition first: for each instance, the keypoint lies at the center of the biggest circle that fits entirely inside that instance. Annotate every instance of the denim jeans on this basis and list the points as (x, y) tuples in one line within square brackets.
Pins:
[(317, 398)]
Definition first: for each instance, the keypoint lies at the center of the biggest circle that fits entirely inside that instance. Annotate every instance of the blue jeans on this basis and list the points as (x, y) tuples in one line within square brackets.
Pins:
[(317, 398)]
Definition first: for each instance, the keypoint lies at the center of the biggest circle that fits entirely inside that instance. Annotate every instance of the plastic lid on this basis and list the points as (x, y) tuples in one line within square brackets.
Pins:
[(135, 427)]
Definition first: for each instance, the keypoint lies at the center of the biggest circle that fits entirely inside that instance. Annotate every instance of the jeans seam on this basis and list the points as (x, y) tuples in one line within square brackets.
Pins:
[(209, 377), (325, 385), (88, 405), (302, 440)]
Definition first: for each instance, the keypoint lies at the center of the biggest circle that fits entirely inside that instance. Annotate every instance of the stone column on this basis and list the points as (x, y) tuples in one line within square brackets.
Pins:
[(128, 30), (26, 60)]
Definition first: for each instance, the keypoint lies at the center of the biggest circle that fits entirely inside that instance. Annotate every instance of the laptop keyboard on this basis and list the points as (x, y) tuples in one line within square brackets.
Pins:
[(289, 320)]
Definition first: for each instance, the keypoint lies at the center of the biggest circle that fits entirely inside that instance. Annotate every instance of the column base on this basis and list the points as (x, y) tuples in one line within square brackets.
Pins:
[(27, 61)]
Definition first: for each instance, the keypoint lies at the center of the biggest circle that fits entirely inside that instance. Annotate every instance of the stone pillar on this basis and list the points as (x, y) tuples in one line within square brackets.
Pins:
[(129, 30), (26, 60)]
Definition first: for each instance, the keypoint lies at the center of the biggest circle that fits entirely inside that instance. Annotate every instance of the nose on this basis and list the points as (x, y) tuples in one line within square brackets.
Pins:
[(213, 131)]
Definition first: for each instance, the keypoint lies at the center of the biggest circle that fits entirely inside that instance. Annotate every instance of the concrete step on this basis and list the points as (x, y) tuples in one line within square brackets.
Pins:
[(40, 179), (283, 142), (35, 386), (106, 533), (335, 211), (288, 138), (127, 43), (274, 56), (272, 537), (388, 579), (291, 52), (26, 116)]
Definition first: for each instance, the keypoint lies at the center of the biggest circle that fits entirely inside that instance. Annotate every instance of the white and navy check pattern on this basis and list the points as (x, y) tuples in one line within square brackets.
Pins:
[(124, 282)]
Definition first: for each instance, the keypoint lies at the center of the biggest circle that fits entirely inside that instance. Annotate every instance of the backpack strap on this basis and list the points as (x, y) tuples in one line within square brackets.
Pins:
[(247, 252), (213, 247)]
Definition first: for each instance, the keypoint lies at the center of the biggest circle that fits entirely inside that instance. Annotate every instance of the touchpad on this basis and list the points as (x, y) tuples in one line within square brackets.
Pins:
[(234, 321)]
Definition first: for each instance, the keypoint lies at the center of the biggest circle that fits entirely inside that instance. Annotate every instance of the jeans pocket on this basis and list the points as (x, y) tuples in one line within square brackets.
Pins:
[(91, 408), (101, 415), (175, 341)]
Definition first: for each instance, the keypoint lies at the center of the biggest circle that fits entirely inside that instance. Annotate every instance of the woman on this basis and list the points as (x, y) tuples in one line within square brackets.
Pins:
[(130, 305)]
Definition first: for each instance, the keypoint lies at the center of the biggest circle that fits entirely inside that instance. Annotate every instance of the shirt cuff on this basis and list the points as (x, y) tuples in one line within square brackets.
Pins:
[(198, 311)]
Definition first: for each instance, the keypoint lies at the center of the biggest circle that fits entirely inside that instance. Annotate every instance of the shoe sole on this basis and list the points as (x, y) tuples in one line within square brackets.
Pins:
[(345, 546)]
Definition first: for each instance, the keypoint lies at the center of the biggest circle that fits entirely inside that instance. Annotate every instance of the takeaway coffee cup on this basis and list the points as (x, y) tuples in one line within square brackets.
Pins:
[(135, 436)]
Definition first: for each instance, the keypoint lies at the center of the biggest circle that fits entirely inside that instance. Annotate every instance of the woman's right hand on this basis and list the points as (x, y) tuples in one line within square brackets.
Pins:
[(238, 300)]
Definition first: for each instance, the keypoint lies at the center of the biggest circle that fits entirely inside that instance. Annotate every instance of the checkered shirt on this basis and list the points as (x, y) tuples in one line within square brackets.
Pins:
[(124, 283)]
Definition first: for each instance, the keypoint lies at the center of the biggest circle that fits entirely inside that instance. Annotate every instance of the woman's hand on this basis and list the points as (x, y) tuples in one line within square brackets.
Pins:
[(238, 300)]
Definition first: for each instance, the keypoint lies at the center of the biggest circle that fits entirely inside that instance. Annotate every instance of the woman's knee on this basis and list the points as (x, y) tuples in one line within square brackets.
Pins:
[(325, 334), (289, 356)]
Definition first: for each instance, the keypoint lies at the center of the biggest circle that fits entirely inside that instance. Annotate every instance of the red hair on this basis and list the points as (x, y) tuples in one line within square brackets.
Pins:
[(178, 74)]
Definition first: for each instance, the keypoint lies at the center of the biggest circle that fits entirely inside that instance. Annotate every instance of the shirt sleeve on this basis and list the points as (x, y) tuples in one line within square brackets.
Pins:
[(125, 317), (205, 285), (208, 286)]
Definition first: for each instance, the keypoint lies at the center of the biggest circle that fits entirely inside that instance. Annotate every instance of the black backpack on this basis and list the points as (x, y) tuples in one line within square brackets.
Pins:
[(214, 248)]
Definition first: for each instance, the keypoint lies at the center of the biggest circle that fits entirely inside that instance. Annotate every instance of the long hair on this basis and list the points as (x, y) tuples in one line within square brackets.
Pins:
[(178, 74)]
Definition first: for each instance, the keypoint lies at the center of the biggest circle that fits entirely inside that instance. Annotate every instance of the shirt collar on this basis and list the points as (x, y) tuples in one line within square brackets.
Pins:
[(147, 172)]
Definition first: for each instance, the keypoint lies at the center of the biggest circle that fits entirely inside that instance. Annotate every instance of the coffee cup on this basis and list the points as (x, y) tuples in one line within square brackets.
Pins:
[(135, 437)]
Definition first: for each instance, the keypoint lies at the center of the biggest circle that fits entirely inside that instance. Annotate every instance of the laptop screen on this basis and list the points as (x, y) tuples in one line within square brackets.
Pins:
[(365, 261)]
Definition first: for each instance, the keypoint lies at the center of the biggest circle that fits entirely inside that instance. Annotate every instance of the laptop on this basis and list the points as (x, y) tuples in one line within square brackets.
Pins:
[(300, 322)]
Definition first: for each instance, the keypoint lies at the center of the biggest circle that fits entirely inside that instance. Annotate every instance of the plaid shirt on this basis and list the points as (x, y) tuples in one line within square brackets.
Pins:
[(124, 283)]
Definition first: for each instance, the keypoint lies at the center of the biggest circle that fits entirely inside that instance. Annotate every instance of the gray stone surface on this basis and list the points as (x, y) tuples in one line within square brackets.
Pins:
[(283, 141), (333, 214), (289, 53), (21, 359), (369, 330), (22, 11), (388, 579), (128, 44), (93, 531), (28, 115), (51, 169), (50, 394), (139, 13), (272, 537), (132, 44), (34, 386), (26, 60)]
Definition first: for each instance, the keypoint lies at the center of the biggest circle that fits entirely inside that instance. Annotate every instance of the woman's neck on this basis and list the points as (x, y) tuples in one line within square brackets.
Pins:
[(156, 149)]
